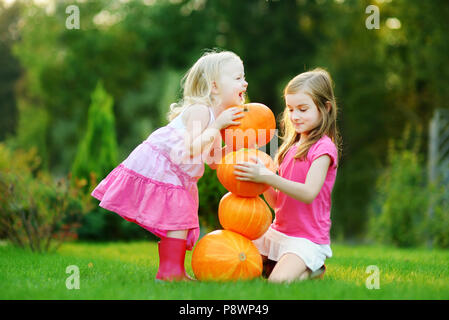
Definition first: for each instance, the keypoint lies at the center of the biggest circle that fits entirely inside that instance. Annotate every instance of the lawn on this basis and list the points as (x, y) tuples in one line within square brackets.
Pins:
[(127, 271)]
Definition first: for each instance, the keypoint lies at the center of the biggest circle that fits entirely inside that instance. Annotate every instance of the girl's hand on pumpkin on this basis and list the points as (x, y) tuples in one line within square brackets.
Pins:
[(228, 117), (254, 172)]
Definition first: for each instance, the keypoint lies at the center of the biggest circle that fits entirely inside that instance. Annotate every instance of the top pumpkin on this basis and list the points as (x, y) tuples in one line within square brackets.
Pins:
[(256, 128)]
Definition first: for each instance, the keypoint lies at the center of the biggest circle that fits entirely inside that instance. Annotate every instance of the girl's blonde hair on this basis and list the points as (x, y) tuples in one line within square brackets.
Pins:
[(197, 83), (318, 85)]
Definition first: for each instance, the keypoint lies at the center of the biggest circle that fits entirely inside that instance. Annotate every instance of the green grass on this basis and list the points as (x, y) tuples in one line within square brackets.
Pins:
[(127, 271)]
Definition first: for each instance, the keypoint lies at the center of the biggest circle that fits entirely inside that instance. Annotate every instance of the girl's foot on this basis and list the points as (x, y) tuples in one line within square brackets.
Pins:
[(318, 274), (172, 253)]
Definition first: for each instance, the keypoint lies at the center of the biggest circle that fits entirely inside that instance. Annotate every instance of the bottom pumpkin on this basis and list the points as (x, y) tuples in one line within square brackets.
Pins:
[(224, 255)]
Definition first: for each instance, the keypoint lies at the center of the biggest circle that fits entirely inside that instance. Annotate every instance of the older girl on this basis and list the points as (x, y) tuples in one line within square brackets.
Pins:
[(298, 241)]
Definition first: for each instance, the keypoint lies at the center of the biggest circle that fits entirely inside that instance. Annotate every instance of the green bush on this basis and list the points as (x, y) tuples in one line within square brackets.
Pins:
[(32, 129), (400, 206), (103, 225), (438, 218), (210, 192), (35, 210)]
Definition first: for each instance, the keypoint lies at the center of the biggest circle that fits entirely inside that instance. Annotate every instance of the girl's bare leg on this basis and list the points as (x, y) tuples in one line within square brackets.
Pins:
[(290, 267), (178, 234)]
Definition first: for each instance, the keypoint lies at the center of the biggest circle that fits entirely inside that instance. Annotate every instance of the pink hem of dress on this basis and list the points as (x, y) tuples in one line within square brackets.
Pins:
[(192, 235), (133, 196)]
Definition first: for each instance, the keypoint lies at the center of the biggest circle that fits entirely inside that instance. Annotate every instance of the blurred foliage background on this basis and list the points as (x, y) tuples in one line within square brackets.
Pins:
[(82, 99)]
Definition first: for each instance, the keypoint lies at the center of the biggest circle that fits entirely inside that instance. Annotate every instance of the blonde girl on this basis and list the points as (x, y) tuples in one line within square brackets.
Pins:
[(298, 241), (156, 185)]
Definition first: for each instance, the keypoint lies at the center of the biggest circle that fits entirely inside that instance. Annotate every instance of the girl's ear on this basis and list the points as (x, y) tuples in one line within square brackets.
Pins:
[(214, 88), (328, 106)]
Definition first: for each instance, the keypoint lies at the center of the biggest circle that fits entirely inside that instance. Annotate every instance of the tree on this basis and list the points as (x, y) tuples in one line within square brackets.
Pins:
[(97, 151), (10, 68)]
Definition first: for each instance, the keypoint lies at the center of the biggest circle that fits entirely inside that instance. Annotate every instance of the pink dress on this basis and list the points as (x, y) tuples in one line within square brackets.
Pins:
[(156, 185)]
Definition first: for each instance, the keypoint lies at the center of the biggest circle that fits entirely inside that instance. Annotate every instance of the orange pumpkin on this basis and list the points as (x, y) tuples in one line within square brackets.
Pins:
[(223, 255), (250, 217), (225, 172), (257, 127)]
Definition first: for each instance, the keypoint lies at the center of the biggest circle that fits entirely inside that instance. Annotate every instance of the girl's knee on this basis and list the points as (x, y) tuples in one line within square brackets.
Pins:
[(279, 277), (289, 268), (179, 234)]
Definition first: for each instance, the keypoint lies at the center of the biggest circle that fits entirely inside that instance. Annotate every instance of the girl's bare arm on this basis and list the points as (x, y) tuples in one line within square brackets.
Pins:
[(304, 192), (271, 196), (202, 134)]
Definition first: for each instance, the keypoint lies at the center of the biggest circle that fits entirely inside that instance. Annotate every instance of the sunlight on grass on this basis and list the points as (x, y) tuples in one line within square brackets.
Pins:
[(127, 271), (139, 252), (397, 266)]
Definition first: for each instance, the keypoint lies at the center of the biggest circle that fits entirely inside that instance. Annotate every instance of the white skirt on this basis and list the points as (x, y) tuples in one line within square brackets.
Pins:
[(273, 244)]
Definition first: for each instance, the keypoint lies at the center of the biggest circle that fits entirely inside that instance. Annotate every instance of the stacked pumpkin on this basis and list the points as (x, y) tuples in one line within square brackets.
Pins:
[(229, 254)]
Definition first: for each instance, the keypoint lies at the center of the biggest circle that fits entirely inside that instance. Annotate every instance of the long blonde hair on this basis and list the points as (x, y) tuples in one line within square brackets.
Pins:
[(318, 84), (197, 83)]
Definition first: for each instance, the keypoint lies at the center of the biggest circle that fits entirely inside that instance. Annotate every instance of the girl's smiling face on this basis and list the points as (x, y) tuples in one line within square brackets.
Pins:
[(303, 112), (231, 85)]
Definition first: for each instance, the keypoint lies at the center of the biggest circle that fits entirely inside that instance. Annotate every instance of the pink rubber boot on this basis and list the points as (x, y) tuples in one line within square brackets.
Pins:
[(172, 253)]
